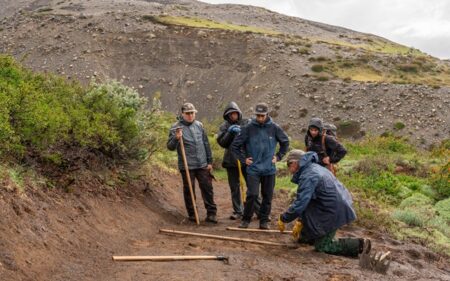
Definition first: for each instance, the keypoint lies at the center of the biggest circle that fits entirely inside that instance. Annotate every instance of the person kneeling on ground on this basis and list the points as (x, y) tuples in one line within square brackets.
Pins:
[(322, 205)]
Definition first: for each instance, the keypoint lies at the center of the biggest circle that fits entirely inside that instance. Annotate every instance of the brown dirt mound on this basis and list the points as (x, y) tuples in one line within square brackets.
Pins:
[(52, 235)]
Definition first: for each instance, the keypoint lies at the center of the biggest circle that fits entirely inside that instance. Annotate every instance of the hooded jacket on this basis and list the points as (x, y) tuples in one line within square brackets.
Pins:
[(196, 145), (322, 203), (225, 138), (259, 141), (334, 149)]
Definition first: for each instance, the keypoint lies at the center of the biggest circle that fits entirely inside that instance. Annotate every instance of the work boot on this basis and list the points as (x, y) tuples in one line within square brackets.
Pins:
[(235, 217), (365, 245), (263, 225), (244, 224), (211, 219)]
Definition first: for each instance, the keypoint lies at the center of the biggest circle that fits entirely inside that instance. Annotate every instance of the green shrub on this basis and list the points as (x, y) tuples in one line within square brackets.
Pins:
[(409, 217), (43, 113), (443, 209), (415, 201), (399, 125), (317, 68)]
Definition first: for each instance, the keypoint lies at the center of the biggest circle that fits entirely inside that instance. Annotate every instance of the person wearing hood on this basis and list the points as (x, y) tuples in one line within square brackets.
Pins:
[(198, 157), (329, 150), (255, 146), (230, 128), (322, 205)]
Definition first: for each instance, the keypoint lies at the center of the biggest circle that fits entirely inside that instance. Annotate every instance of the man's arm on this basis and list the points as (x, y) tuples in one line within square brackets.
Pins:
[(283, 140), (237, 147), (338, 151), (224, 138), (209, 157), (304, 195), (172, 142)]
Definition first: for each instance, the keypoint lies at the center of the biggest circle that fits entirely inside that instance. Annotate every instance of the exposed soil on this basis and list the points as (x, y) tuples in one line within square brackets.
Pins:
[(53, 235)]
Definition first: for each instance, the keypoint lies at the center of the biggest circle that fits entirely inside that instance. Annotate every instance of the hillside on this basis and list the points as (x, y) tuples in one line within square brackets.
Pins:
[(211, 54)]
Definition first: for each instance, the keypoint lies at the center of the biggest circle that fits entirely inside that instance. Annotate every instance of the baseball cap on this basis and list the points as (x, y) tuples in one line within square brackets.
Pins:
[(188, 107)]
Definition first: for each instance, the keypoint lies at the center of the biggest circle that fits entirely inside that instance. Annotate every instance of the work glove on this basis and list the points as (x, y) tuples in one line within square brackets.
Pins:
[(281, 225), (297, 230), (235, 129)]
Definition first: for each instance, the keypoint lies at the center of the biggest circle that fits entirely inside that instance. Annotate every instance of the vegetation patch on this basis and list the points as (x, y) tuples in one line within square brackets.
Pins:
[(206, 23)]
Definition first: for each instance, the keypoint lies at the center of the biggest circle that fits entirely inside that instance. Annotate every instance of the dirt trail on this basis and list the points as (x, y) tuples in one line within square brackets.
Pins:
[(50, 235)]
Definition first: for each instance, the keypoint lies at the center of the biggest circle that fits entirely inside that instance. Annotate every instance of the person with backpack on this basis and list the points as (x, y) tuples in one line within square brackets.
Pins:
[(321, 207), (329, 150), (228, 131), (256, 147)]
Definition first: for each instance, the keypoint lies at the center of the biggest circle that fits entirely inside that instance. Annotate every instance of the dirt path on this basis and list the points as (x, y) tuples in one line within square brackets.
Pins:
[(59, 236)]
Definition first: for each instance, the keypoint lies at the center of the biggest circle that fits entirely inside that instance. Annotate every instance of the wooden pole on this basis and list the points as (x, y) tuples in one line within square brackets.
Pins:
[(167, 258), (219, 237), (241, 181), (188, 176), (258, 230)]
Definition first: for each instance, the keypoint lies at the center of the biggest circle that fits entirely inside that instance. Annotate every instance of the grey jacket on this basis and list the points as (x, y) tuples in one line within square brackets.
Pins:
[(196, 145)]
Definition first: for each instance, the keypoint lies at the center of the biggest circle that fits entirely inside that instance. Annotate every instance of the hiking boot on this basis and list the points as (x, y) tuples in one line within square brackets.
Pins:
[(192, 218), (211, 219), (365, 245), (244, 224), (235, 217), (264, 225)]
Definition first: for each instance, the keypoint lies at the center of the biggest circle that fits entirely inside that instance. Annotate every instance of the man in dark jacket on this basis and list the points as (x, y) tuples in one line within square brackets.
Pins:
[(255, 146), (329, 150), (322, 205), (199, 159), (227, 132)]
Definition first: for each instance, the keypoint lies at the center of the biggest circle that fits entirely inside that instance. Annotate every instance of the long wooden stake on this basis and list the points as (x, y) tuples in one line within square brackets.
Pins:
[(241, 181), (167, 258), (258, 230), (219, 237), (188, 176)]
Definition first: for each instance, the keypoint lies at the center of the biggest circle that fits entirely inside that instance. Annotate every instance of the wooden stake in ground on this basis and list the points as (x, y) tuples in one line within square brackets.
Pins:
[(188, 176), (258, 230), (220, 237), (241, 181), (169, 258)]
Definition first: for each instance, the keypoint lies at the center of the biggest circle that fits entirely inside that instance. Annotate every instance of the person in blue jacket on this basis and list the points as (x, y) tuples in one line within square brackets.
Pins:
[(322, 206), (255, 147)]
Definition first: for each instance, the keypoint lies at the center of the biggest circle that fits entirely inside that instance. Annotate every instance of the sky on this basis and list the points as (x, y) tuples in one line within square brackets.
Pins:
[(422, 24)]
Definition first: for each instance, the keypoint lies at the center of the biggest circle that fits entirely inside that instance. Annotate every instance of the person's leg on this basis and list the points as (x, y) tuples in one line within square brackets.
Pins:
[(252, 195), (235, 189), (257, 203), (349, 247), (267, 186), (187, 193), (205, 183)]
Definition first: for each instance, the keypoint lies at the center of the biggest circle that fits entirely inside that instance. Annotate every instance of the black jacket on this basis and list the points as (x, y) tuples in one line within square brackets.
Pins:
[(334, 149), (225, 138)]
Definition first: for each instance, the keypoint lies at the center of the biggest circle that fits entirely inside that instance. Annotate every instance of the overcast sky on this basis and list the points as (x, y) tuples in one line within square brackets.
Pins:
[(422, 24)]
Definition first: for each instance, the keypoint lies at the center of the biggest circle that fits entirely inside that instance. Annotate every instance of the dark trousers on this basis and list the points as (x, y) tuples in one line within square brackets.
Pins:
[(205, 183), (267, 186), (235, 188), (349, 247)]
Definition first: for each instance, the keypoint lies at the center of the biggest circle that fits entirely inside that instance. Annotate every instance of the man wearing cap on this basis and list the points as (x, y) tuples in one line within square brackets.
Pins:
[(198, 157), (255, 146), (229, 129), (322, 205)]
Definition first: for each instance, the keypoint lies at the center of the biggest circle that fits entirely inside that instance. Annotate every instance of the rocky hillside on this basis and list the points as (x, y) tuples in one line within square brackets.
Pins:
[(211, 54)]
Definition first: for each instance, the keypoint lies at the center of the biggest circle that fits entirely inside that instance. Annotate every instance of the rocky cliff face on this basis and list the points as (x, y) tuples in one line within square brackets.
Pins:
[(211, 54)]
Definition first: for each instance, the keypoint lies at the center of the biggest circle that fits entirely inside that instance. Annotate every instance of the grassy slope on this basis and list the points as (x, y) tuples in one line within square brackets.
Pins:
[(367, 61)]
